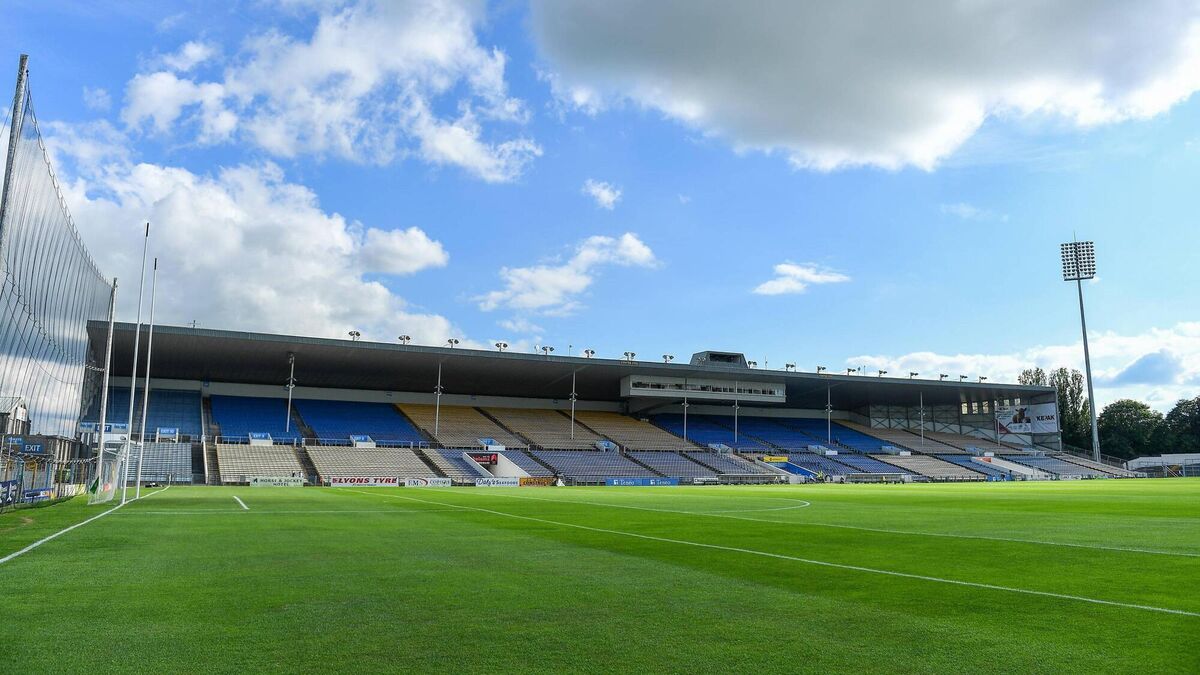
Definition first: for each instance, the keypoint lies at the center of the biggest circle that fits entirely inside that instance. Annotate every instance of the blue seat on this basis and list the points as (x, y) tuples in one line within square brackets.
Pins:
[(342, 419), (240, 416)]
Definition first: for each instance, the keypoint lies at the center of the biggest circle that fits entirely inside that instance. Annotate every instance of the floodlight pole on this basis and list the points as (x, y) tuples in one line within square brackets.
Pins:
[(736, 407), (828, 417), (1087, 366), (437, 402), (573, 399), (922, 394), (287, 422), (137, 344), (112, 308), (685, 407), (146, 387)]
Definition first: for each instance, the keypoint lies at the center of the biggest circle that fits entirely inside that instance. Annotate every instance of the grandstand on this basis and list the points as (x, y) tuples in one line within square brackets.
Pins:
[(169, 409), (729, 463), (821, 464), (633, 434), (342, 419), (458, 426), (227, 385), (239, 463), (971, 463), (673, 464), (237, 417), (163, 462), (546, 428), (931, 467), (1058, 467), (454, 467), (344, 462), (592, 466), (528, 464), (706, 430)]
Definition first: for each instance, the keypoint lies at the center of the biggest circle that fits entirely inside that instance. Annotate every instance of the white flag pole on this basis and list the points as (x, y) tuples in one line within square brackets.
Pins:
[(137, 339), (146, 387)]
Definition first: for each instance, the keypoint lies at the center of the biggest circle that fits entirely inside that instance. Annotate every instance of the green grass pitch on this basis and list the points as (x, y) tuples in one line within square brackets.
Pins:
[(1071, 576)]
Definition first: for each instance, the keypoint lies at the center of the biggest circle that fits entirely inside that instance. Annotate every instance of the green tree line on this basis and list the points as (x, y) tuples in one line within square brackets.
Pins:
[(1128, 428)]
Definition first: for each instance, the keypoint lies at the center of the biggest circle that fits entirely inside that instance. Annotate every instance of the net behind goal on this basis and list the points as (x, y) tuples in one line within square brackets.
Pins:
[(108, 478)]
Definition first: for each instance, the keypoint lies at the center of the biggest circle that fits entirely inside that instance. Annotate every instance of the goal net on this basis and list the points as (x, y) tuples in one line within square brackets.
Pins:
[(108, 478)]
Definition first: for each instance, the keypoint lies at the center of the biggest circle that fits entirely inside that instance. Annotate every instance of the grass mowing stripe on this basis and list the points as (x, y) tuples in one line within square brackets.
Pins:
[(65, 530), (241, 503), (808, 561), (1015, 540)]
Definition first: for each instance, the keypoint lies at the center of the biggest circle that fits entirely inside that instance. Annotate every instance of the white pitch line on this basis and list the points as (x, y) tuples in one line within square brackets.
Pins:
[(983, 537), (241, 503), (65, 530), (808, 561), (239, 512)]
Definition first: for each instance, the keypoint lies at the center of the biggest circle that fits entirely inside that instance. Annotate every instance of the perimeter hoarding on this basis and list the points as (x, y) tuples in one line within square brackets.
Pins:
[(498, 482), (364, 481), (427, 482), (642, 482), (276, 481)]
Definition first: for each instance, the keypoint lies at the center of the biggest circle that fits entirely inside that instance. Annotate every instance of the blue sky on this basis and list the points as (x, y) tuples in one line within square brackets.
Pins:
[(422, 168)]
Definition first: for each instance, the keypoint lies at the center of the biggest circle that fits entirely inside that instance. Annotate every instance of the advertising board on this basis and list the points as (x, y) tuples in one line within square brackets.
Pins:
[(512, 481), (276, 481), (364, 481)]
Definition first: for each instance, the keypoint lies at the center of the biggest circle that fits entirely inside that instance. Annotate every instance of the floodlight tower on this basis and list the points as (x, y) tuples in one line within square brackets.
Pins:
[(1079, 263)]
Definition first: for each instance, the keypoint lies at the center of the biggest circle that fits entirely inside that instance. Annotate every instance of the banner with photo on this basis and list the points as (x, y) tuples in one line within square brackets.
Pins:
[(1041, 418)]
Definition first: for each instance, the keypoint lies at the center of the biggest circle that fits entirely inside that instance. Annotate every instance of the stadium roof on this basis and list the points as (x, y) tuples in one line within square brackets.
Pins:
[(258, 358)]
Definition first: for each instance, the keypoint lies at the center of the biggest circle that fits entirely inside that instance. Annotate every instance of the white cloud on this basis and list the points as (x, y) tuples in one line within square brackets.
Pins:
[(162, 97), (366, 85), (521, 326), (845, 84), (793, 277), (967, 211), (190, 55), (96, 99), (553, 289), (242, 248), (1158, 366), (400, 251), (606, 195)]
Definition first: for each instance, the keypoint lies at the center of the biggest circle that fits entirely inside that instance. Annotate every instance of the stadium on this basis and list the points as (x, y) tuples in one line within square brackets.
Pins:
[(186, 499)]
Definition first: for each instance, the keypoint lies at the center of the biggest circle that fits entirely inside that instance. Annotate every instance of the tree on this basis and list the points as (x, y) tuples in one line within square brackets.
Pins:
[(1130, 429), (1182, 427), (1032, 376), (1074, 410)]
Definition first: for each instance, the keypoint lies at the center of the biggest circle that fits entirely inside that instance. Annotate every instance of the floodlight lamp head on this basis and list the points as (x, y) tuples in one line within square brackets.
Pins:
[(1078, 260), (667, 358), (589, 353), (452, 342), (882, 373)]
